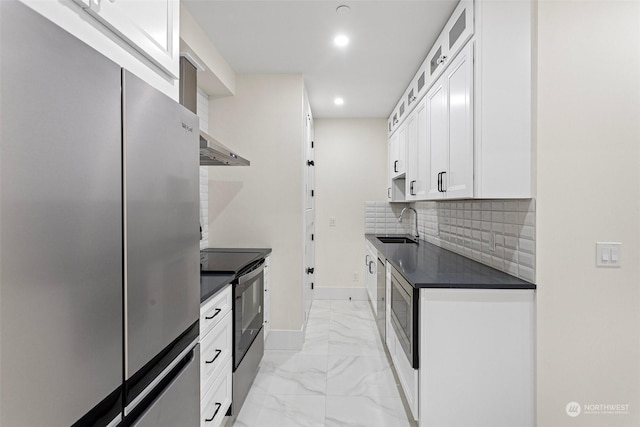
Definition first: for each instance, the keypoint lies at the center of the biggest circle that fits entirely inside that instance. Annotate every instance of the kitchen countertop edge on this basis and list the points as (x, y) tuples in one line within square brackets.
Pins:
[(459, 272), (211, 284)]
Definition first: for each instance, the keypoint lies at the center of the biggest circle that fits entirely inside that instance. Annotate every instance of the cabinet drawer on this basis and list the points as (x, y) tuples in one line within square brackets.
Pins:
[(214, 310), (217, 400), (215, 352)]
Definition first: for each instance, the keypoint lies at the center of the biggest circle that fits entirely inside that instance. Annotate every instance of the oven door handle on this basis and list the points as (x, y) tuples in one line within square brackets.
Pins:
[(252, 274)]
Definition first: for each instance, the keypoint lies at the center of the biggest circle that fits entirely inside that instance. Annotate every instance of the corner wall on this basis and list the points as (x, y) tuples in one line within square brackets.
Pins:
[(588, 186), (261, 205), (351, 155)]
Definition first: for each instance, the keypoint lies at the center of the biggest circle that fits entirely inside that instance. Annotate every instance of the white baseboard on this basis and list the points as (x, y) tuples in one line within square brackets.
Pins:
[(356, 294), (284, 339)]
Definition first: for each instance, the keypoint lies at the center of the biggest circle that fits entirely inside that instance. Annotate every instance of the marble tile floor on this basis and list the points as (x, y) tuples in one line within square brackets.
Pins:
[(341, 377)]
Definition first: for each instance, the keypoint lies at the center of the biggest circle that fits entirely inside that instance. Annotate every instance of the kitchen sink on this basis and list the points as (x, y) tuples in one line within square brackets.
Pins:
[(387, 239)]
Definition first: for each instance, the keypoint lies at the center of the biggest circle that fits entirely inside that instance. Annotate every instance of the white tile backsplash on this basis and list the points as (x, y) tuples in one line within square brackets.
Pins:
[(202, 108), (466, 227)]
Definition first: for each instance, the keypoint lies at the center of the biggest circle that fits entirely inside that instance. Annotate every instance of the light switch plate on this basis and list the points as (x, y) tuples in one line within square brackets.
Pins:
[(608, 254), (332, 221)]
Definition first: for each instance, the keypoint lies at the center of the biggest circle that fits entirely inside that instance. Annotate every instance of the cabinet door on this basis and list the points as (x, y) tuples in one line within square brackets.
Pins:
[(151, 27), (458, 180), (459, 29), (402, 150), (437, 138), (393, 156), (437, 58), (412, 157), (421, 153)]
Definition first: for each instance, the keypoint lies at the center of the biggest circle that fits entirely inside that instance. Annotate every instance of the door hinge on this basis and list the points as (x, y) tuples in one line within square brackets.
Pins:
[(312, 285), (312, 193), (312, 237), (311, 144)]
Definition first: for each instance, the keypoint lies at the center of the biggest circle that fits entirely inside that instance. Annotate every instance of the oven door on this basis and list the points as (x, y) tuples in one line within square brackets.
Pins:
[(404, 316), (248, 293)]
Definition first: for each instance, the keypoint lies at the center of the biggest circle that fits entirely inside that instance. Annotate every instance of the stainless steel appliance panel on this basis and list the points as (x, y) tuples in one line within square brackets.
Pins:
[(248, 314), (60, 223), (404, 315), (245, 373), (179, 403), (162, 279)]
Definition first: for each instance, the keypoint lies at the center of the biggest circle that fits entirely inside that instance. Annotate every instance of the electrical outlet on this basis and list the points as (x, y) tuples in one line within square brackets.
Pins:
[(355, 276), (492, 242), (332, 221)]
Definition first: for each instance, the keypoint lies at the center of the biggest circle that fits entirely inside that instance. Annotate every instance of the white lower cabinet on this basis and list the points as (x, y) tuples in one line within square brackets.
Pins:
[(266, 313), (216, 347), (371, 278), (477, 357), (216, 401), (408, 376)]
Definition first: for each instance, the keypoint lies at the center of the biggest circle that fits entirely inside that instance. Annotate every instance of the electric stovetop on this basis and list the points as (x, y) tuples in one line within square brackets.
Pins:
[(229, 261)]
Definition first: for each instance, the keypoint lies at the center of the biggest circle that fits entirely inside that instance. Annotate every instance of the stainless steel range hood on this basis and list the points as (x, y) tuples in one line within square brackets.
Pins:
[(213, 153)]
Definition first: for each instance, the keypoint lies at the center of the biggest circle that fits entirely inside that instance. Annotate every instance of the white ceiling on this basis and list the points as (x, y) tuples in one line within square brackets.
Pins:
[(388, 42)]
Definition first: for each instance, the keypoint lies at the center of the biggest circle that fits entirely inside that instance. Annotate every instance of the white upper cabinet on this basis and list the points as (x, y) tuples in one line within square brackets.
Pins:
[(398, 152), (476, 84), (150, 27), (503, 104), (457, 181), (417, 154), (437, 139), (456, 33), (450, 130)]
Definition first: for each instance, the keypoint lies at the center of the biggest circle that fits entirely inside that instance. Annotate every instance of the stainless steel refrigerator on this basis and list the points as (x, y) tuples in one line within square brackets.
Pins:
[(99, 236)]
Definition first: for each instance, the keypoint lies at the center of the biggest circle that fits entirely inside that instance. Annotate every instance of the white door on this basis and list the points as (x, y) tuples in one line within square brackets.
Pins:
[(437, 139), (309, 262), (459, 76), (309, 216)]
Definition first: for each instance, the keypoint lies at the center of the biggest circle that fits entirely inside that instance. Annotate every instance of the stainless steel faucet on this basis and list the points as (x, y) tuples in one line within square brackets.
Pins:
[(417, 236)]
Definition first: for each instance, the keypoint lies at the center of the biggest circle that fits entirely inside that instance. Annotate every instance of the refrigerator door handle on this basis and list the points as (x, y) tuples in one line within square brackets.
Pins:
[(130, 407), (116, 421)]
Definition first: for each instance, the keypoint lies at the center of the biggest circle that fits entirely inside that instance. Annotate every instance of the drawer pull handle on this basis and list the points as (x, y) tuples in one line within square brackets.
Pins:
[(215, 357), (218, 310), (218, 406)]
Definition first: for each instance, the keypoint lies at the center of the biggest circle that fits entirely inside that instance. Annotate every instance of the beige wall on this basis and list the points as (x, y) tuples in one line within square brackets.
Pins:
[(588, 190), (261, 205), (351, 157)]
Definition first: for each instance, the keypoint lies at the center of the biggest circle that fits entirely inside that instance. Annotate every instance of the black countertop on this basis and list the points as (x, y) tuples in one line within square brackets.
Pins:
[(429, 266), (211, 284), (226, 262)]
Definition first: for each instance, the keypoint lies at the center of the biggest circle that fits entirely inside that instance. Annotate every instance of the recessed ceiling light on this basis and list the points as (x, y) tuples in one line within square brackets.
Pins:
[(338, 101), (341, 40), (343, 9)]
